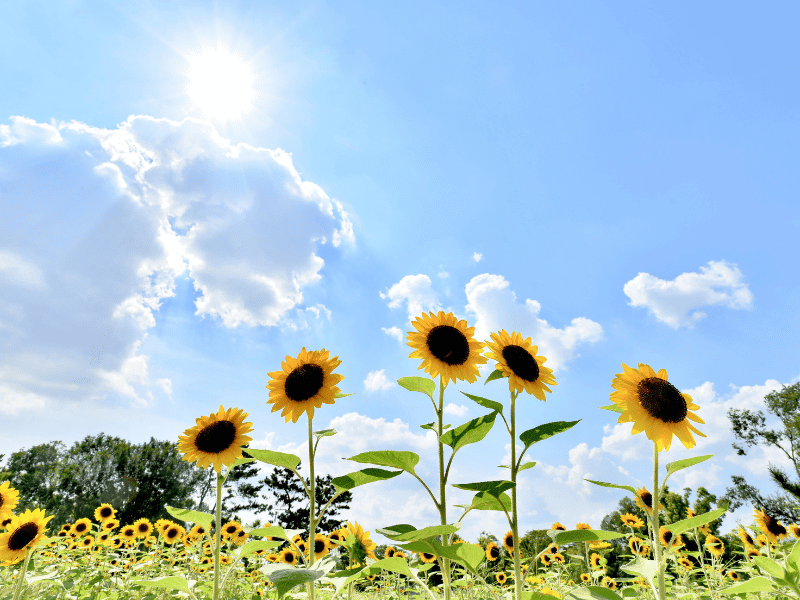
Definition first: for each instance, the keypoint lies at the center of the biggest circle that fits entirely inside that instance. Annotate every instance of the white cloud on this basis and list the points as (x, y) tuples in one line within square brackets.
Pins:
[(443, 274), (394, 332), (455, 409), (376, 380), (128, 211), (476, 256), (495, 307), (671, 301), (416, 290), (166, 385)]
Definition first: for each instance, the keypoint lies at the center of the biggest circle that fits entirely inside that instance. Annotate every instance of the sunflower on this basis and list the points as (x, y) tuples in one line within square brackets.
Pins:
[(558, 527), (501, 578), (24, 532), (446, 347), (645, 501), (389, 552), (689, 513), (771, 527), (558, 557), (81, 527), (631, 520), (9, 498), (173, 533), (752, 551), (321, 546), (399, 554), (143, 528), (705, 529), (596, 561), (585, 577), (655, 406), (795, 529), (110, 525), (304, 383), (733, 575), (104, 512), (492, 552), (545, 558), (518, 361), (508, 542), (598, 544), (289, 556), (365, 546), (714, 545), (609, 583), (550, 592), (128, 533), (240, 537), (216, 439), (427, 558), (301, 546), (686, 563), (636, 544), (668, 539), (87, 542), (583, 526)]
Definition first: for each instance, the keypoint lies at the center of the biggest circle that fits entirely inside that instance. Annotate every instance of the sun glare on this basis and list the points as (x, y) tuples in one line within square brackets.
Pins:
[(220, 84)]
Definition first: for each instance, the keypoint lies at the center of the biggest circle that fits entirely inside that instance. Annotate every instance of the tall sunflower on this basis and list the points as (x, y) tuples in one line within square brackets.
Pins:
[(24, 531), (304, 383), (772, 528), (655, 406), (446, 347), (9, 498), (217, 438), (517, 359)]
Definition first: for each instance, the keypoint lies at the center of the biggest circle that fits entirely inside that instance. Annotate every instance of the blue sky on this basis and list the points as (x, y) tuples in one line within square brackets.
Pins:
[(616, 181)]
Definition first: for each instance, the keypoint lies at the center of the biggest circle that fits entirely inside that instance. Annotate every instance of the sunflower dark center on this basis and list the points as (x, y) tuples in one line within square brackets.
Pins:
[(448, 344), (521, 362), (319, 546), (647, 498), (22, 536), (662, 400), (172, 532), (143, 528), (667, 536), (80, 527), (105, 512), (495, 552), (773, 526), (216, 437), (304, 382)]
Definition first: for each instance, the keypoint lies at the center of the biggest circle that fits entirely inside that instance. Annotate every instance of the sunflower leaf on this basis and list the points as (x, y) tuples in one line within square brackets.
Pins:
[(542, 432), (364, 476), (418, 534), (527, 465), (613, 485), (398, 459), (680, 526), (254, 546), (591, 592), (641, 566), (470, 432), (433, 426), (495, 375), (493, 488), (395, 565), (585, 535), (341, 395), (793, 560), (274, 531), (287, 578), (467, 555), (767, 565), (324, 433), (418, 384), (756, 584), (613, 407), (485, 501), (485, 402), (241, 461), (278, 459), (682, 464), (171, 583), (190, 516)]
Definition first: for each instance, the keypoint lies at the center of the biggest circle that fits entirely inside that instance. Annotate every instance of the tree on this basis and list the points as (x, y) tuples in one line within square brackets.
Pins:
[(749, 427)]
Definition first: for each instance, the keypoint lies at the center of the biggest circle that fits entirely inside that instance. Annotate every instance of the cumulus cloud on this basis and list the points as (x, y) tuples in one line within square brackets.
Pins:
[(394, 332), (671, 302), (476, 256), (416, 290), (98, 223), (495, 307), (456, 409), (376, 380)]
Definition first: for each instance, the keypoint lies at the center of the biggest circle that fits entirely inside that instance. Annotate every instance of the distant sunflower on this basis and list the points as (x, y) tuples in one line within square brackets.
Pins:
[(752, 551), (609, 583), (631, 520), (9, 498), (128, 533), (143, 528), (558, 527), (104, 512), (365, 546), (669, 539), (733, 575), (427, 558), (714, 545), (302, 546), (645, 500), (795, 529), (240, 537), (389, 552), (517, 359), (596, 561), (598, 544), (686, 563), (689, 513), (289, 556), (655, 406), (87, 542), (546, 560), (585, 577), (501, 578), (399, 554), (321, 546), (110, 525), (492, 552), (583, 526), (173, 533), (81, 527), (508, 542), (772, 528), (558, 557), (446, 347), (25, 531), (635, 544), (550, 592), (216, 439)]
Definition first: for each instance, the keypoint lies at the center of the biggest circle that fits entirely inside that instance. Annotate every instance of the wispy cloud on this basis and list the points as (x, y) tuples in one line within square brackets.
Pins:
[(418, 293), (376, 380), (394, 332)]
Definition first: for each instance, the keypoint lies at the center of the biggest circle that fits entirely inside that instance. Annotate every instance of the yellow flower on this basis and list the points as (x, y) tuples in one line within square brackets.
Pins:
[(446, 347), (508, 542), (670, 540), (104, 512), (550, 592), (714, 545), (25, 531), (173, 533), (321, 546), (772, 528), (143, 528), (655, 406), (9, 498), (645, 500), (289, 556), (631, 520), (304, 383), (501, 578), (81, 527), (366, 546), (217, 438), (517, 360), (492, 552), (583, 526), (426, 557), (558, 527), (745, 536)]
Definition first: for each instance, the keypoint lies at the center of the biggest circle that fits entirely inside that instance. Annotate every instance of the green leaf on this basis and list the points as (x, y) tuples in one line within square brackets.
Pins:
[(418, 534), (274, 531), (171, 583), (494, 488), (418, 384), (693, 522), (682, 464), (470, 432), (641, 566), (527, 465), (593, 592), (485, 501), (278, 459), (398, 459), (769, 566), (254, 546), (241, 461), (341, 395), (469, 556), (364, 476), (434, 426), (585, 535), (613, 485), (285, 579), (485, 402), (494, 375), (613, 408), (191, 516), (395, 565), (324, 433), (793, 560), (542, 432), (756, 584)]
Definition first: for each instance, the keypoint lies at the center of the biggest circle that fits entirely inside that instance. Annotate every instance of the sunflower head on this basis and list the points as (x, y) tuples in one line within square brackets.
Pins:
[(25, 531), (446, 347), (645, 500), (669, 539), (714, 545), (517, 359), (772, 528), (501, 578), (492, 552), (427, 558), (583, 526), (321, 546), (558, 527), (585, 577), (304, 383), (631, 520), (104, 512), (217, 438), (655, 406), (508, 542), (9, 498)]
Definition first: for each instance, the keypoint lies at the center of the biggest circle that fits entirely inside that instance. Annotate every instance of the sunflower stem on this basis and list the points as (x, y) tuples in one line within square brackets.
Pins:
[(514, 521), (22, 573), (217, 534), (311, 523), (662, 592), (442, 500)]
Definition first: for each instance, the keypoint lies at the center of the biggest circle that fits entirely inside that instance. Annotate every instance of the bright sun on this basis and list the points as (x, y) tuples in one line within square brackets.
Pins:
[(220, 84)]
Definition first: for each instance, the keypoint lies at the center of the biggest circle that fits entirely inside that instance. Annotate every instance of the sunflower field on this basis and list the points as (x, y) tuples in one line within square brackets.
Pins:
[(198, 556)]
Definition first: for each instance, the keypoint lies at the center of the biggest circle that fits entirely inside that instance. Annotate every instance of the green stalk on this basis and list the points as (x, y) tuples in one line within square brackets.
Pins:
[(311, 524), (662, 591), (217, 535), (22, 573), (442, 500), (514, 521)]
